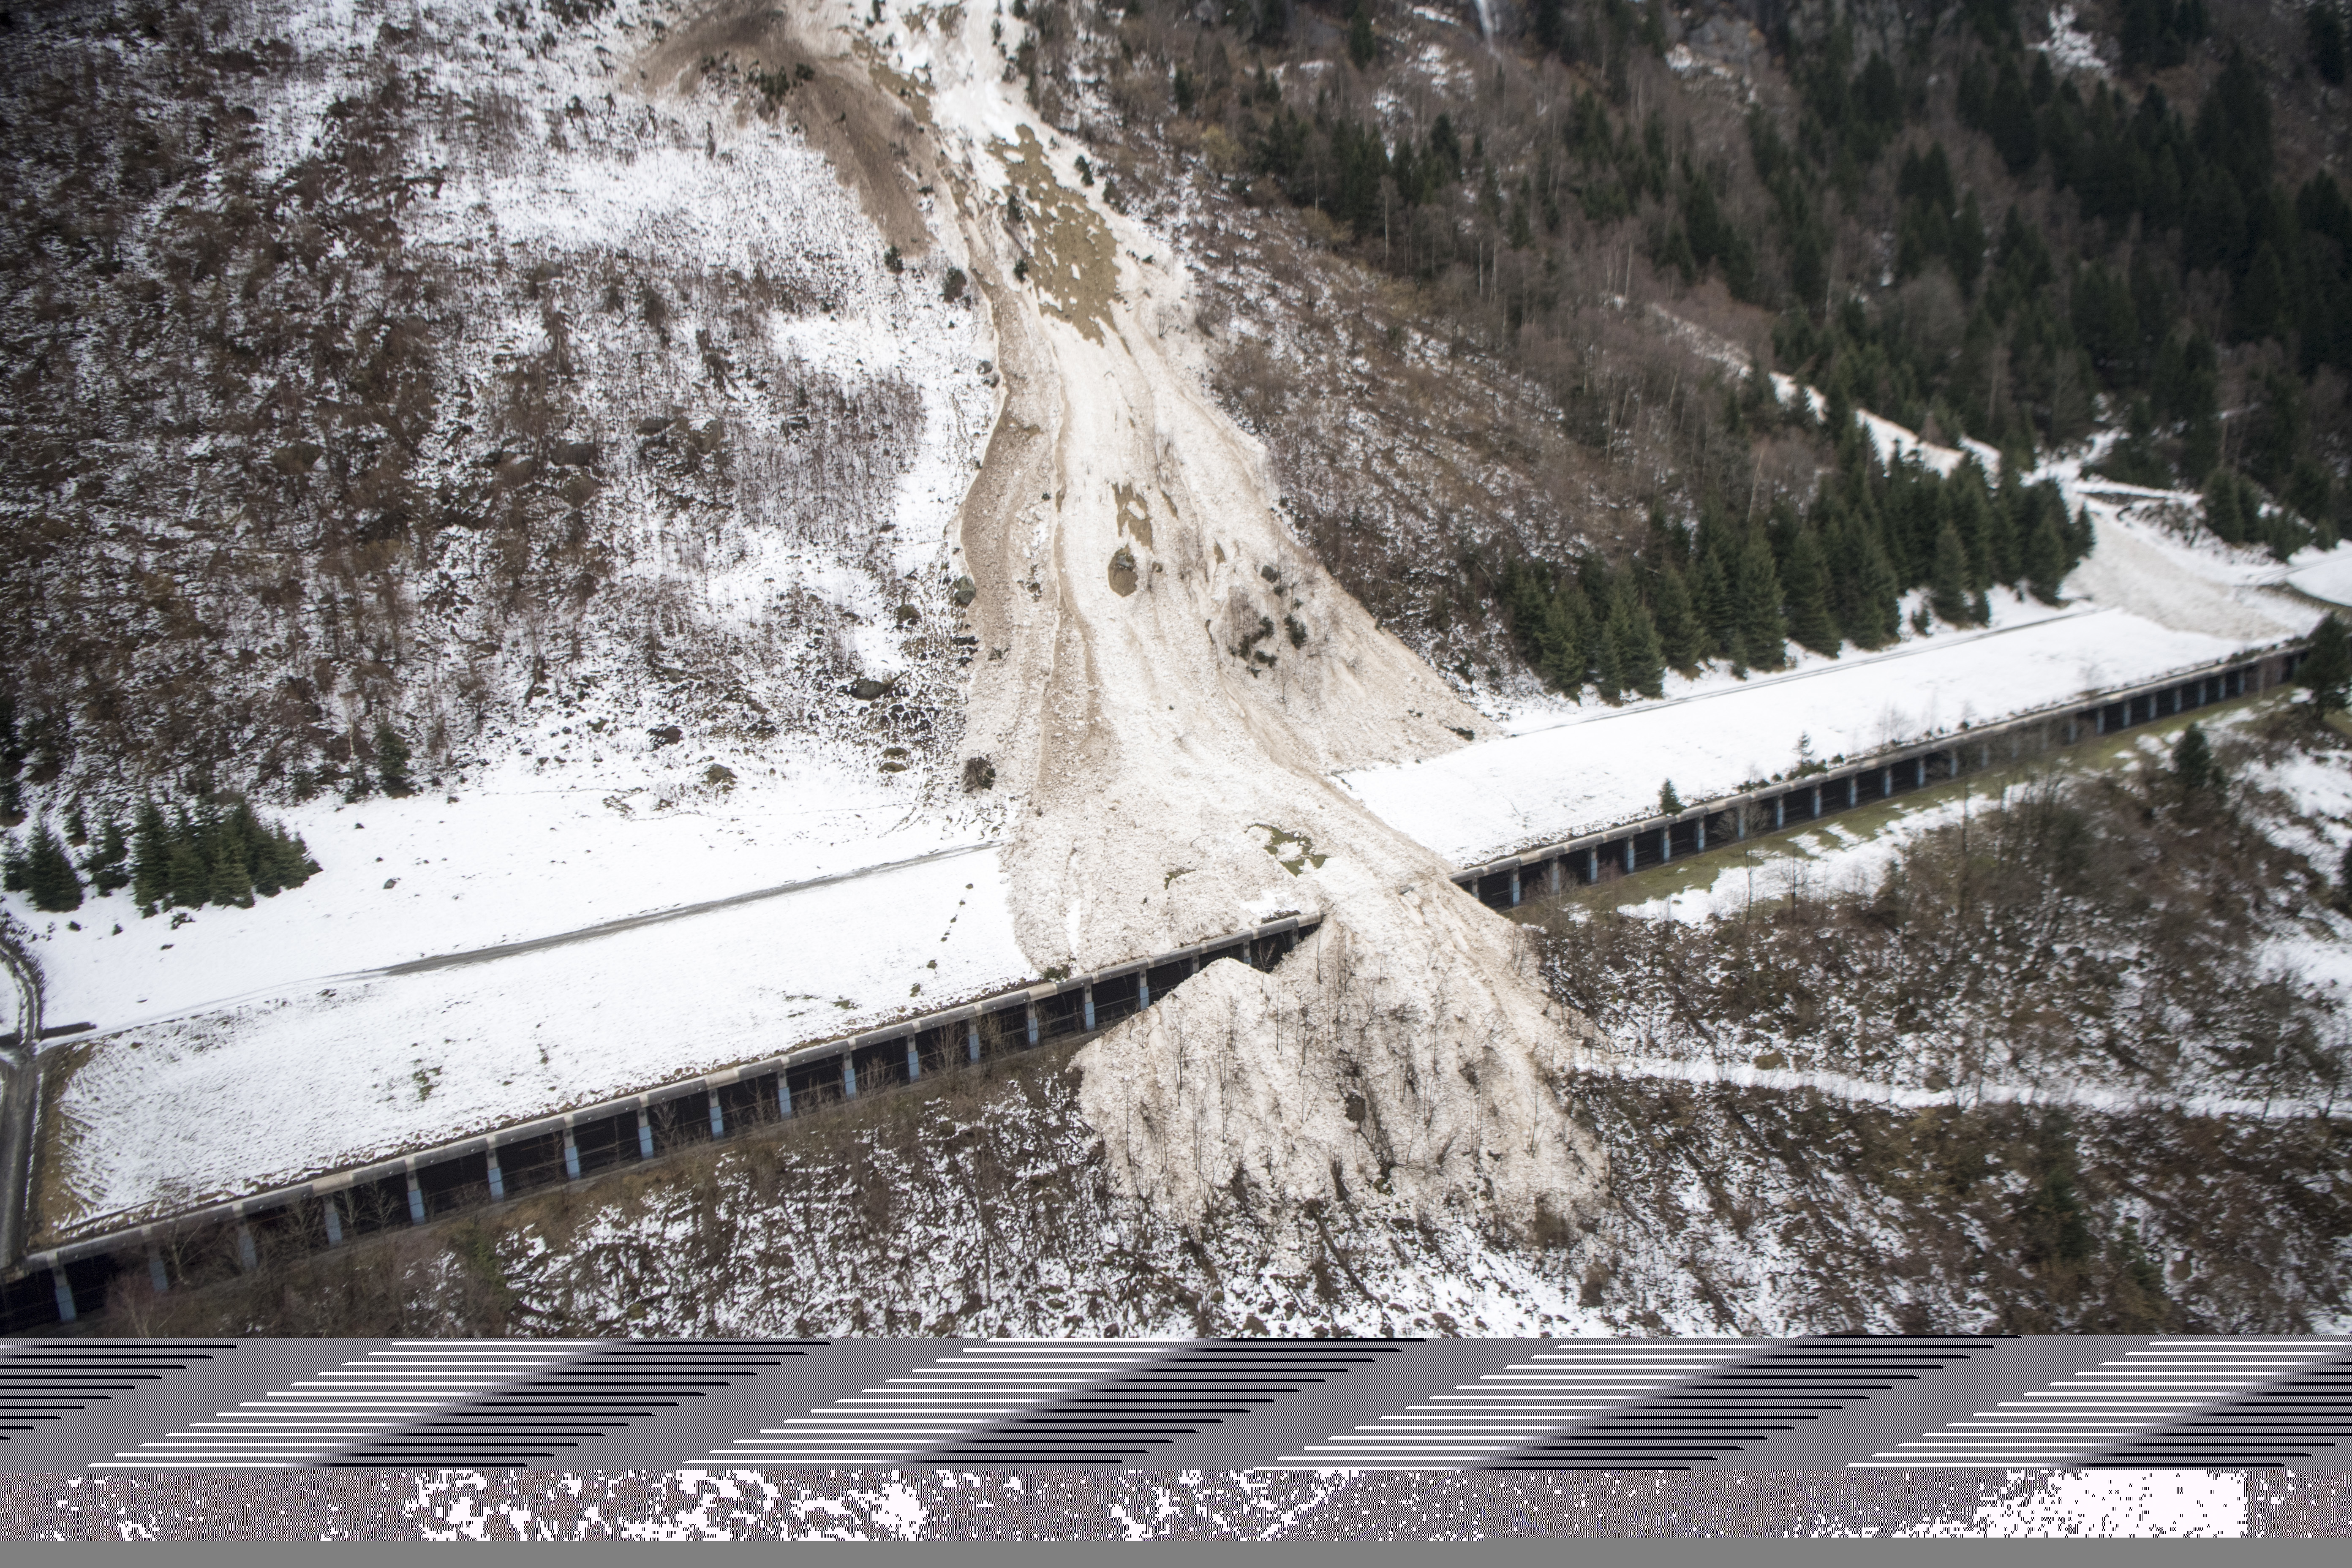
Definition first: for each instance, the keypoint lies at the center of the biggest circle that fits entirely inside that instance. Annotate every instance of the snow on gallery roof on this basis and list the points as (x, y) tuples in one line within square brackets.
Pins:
[(1716, 735), (320, 1076)]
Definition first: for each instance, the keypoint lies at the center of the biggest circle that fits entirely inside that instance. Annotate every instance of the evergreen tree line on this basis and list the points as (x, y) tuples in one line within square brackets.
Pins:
[(2169, 197), (2235, 511), (1830, 574), (180, 859)]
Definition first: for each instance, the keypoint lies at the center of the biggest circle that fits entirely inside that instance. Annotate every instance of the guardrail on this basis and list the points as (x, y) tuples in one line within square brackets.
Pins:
[(1637, 843), (486, 1168)]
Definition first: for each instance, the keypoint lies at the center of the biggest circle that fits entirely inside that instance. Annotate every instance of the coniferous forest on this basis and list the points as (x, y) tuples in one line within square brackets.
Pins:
[(1942, 220), (175, 858), (1827, 575)]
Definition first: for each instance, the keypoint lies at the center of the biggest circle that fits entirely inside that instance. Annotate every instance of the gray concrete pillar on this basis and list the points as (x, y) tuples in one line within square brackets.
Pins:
[(1086, 1002), (334, 1218), (1852, 790), (1515, 887), (1665, 843), (1886, 781), (972, 1040), (1558, 878), (416, 1198), (1702, 836), (718, 1115), (64, 1293), (848, 1077), (155, 1275), (1033, 1023), (1817, 802), (1780, 812), (1143, 990), (245, 1253), (914, 1061), (498, 1177), (1740, 823), (1591, 866), (1628, 852), (570, 1156), (646, 1123)]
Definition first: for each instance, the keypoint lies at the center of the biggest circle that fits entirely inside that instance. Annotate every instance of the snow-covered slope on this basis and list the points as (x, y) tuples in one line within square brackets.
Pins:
[(324, 1077), (781, 447)]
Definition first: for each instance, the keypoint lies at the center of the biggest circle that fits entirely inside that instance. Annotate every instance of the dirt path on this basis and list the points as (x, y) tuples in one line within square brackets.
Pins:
[(1166, 681)]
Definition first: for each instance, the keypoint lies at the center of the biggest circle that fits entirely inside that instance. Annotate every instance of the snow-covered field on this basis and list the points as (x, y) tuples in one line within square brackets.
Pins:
[(520, 855), (1589, 772), (322, 1076)]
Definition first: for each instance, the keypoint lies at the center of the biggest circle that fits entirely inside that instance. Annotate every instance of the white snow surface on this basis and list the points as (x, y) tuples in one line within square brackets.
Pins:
[(522, 859), (1590, 772), (2324, 576), (2071, 48), (306, 1080)]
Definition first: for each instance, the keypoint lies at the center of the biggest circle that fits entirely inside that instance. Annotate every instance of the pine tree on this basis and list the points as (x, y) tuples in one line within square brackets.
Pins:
[(1638, 654), (1807, 584), (2327, 670), (151, 860), (1971, 519), (1717, 616), (49, 878), (1680, 636), (1756, 600), (188, 879), (288, 859), (1669, 803), (1534, 627), (2001, 530), (1948, 585), (2045, 558), (228, 882), (243, 830), (2222, 513), (2192, 762), (392, 761), (16, 868), (1363, 45), (108, 861), (1609, 672), (1567, 638), (1881, 598), (1585, 598), (77, 826)]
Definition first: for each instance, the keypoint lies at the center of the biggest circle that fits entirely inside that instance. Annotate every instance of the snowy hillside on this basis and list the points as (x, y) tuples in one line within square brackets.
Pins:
[(721, 525)]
